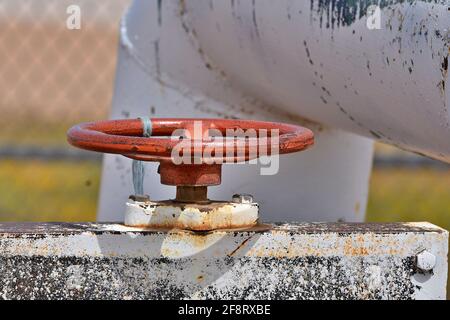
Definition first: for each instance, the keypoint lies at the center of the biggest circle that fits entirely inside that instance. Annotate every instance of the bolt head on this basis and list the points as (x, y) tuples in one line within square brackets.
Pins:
[(425, 261), (242, 198)]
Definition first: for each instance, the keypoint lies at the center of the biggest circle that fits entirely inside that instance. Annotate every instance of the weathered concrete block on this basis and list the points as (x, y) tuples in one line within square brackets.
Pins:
[(286, 261)]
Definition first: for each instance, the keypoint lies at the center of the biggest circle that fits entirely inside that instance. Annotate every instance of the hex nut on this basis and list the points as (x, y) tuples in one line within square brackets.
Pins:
[(425, 261)]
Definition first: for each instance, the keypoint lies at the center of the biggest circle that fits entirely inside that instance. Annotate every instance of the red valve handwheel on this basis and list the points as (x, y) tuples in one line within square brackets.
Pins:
[(126, 137)]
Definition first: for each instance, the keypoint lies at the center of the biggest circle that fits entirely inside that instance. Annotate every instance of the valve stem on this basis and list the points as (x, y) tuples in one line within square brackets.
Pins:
[(137, 169), (192, 194)]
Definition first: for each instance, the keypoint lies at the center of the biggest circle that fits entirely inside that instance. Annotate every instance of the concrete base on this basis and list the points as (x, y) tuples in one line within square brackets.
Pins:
[(289, 261)]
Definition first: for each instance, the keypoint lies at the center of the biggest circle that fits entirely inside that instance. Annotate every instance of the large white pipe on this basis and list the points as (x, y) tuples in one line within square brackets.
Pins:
[(322, 62)]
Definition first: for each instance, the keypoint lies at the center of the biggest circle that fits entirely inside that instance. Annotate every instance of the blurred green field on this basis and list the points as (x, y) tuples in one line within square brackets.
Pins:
[(398, 194), (48, 191), (39, 133)]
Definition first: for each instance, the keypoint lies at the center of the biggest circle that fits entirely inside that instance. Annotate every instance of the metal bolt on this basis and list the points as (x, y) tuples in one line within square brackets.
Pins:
[(425, 261), (242, 198)]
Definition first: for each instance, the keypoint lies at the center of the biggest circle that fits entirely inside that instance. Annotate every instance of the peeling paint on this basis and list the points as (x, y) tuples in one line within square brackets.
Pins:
[(337, 13), (255, 23)]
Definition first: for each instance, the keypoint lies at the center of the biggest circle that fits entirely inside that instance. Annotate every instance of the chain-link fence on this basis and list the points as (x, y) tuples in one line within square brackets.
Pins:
[(51, 77)]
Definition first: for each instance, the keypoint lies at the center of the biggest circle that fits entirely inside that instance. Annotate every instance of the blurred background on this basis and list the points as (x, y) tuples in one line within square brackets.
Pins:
[(52, 77)]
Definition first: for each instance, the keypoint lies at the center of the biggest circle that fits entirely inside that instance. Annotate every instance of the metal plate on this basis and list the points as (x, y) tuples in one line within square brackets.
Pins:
[(286, 261)]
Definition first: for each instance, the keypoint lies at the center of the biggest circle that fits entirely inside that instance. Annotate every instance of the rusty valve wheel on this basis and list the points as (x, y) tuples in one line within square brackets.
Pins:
[(150, 140), (191, 153)]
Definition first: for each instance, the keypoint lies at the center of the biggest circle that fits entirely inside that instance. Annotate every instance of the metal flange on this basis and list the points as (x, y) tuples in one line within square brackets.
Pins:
[(204, 216)]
